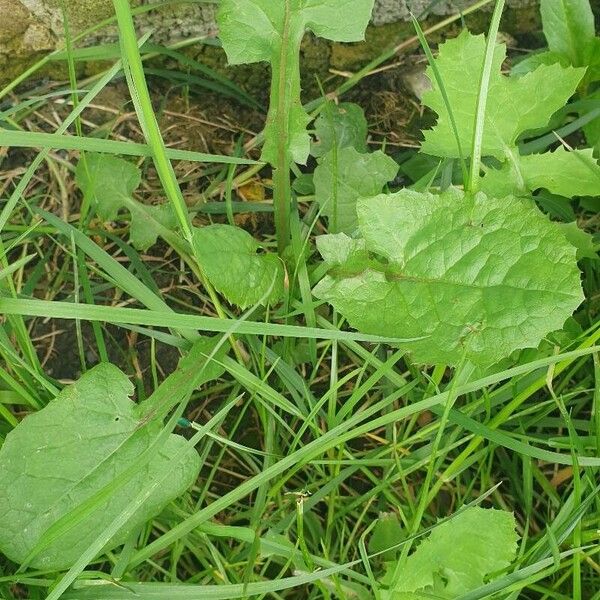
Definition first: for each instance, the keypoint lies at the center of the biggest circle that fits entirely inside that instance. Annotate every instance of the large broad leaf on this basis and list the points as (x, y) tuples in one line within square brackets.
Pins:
[(562, 172), (62, 456), (514, 105), (476, 275), (456, 557), (569, 29), (108, 183), (343, 176), (271, 31), (228, 256)]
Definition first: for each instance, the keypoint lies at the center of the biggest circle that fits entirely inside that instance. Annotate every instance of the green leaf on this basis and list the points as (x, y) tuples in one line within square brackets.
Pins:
[(514, 105), (457, 556), (476, 275), (593, 73), (59, 457), (108, 183), (304, 184), (533, 61), (388, 532), (148, 222), (342, 251), (566, 173), (342, 125), (228, 257), (569, 29), (582, 240), (592, 129), (264, 30), (555, 206), (343, 176)]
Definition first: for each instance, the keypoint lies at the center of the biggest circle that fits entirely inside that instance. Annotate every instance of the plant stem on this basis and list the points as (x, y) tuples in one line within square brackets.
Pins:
[(281, 176), (281, 201)]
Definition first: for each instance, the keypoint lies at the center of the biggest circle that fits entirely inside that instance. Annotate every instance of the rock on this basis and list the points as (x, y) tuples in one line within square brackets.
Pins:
[(390, 11), (33, 27), (22, 35)]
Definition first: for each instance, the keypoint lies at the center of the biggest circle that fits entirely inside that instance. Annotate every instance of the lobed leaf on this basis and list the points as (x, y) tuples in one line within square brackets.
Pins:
[(343, 176), (457, 556), (108, 183), (536, 59), (515, 104), (264, 30), (472, 275), (580, 239), (228, 257), (566, 173)]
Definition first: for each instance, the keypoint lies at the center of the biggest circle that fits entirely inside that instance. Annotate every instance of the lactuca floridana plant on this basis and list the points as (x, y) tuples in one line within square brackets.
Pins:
[(456, 557), (476, 276), (271, 31), (473, 276), (108, 183), (346, 171), (515, 105)]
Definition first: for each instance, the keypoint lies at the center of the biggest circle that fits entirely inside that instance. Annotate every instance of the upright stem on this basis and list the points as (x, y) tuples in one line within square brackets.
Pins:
[(282, 201), (281, 175)]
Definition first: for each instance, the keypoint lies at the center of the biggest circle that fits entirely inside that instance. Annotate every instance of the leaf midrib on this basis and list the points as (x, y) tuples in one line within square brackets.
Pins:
[(395, 277)]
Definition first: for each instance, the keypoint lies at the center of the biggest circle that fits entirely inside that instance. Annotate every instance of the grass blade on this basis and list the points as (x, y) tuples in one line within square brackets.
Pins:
[(143, 103), (28, 139), (440, 83), (484, 84), (167, 318)]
